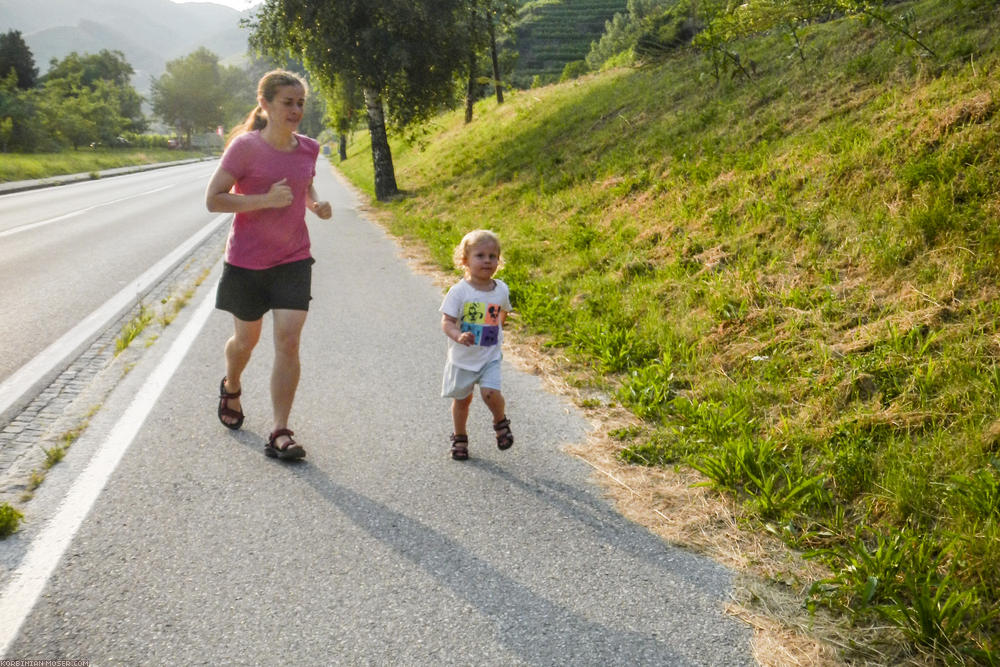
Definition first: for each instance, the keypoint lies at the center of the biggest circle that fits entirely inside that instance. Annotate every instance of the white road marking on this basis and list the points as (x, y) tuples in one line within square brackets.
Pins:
[(28, 581), (41, 223), (29, 375)]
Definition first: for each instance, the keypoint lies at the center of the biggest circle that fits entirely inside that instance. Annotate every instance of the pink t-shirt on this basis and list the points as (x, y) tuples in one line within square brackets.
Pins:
[(269, 236)]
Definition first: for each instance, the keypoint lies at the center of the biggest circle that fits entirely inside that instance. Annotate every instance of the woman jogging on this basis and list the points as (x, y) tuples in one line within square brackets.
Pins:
[(265, 177)]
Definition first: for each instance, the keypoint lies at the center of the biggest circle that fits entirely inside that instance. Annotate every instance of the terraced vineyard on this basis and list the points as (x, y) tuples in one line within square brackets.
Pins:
[(551, 33)]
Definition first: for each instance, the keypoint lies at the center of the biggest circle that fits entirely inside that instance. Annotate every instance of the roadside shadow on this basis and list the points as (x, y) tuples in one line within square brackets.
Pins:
[(527, 623), (607, 524), (256, 443)]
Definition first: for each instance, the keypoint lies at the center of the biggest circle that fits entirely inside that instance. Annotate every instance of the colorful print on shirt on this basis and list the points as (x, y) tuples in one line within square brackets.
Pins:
[(483, 320)]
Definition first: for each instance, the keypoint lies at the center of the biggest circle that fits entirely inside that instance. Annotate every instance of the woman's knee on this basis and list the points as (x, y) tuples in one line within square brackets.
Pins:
[(246, 334), (288, 331)]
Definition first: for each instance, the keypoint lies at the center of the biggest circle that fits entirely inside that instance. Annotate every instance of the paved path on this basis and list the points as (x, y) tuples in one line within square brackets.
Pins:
[(378, 548)]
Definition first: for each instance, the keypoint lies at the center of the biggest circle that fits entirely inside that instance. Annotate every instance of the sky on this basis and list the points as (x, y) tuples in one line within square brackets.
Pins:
[(235, 4)]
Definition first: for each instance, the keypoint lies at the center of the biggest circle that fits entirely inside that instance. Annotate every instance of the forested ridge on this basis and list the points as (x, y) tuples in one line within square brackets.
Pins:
[(549, 34)]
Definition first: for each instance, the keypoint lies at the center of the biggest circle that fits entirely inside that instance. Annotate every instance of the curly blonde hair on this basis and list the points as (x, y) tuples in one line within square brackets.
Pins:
[(472, 239)]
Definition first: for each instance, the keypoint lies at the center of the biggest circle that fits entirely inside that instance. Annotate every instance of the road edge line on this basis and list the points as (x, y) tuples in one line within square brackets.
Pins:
[(43, 367), (31, 576)]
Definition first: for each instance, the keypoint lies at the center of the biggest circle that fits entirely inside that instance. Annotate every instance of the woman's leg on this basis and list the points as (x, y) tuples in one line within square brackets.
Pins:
[(285, 374), (238, 351)]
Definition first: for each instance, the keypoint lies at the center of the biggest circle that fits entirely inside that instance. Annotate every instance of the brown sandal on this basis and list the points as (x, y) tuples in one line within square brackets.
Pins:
[(291, 450), (459, 447), (504, 440), (225, 410)]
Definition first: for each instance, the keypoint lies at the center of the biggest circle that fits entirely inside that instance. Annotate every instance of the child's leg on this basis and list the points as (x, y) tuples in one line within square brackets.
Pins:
[(494, 401), (460, 413)]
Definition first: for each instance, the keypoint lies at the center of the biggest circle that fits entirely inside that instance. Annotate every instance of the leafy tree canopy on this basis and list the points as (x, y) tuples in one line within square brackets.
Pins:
[(107, 72), (15, 55), (406, 52), (190, 94)]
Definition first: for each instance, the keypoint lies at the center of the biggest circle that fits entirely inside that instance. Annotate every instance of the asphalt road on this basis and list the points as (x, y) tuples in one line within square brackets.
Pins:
[(65, 251), (377, 548)]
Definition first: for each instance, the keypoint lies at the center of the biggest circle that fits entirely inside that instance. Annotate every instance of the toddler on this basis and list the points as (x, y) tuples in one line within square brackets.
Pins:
[(473, 314)]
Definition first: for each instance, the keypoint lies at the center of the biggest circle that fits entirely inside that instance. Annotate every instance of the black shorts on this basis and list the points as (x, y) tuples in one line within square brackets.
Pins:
[(249, 293)]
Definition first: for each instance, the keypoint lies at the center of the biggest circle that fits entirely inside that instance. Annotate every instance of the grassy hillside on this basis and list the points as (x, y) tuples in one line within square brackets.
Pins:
[(792, 279), (551, 33)]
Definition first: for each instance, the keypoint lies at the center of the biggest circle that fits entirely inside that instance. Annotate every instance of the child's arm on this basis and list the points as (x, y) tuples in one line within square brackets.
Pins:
[(449, 325), (321, 208)]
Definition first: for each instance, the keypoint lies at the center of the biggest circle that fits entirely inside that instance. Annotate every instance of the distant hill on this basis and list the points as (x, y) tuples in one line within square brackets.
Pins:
[(551, 33), (149, 32)]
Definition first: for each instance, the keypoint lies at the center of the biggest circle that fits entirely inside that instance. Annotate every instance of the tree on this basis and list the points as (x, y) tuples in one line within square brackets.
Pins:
[(14, 113), (189, 95), (403, 55), (343, 104), (239, 87), (15, 55), (78, 115), (500, 15), (107, 72), (481, 21)]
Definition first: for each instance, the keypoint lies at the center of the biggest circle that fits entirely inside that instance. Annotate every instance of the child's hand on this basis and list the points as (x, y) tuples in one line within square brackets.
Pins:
[(467, 338)]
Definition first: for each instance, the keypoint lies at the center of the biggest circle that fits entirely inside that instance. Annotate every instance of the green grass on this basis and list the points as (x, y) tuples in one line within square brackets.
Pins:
[(134, 327), (29, 166), (794, 281), (10, 519)]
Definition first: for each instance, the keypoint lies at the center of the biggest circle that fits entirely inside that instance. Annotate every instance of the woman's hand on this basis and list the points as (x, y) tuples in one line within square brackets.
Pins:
[(322, 209), (280, 195)]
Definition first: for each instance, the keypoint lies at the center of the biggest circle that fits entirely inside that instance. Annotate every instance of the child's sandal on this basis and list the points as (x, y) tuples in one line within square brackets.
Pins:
[(459, 447), (506, 439)]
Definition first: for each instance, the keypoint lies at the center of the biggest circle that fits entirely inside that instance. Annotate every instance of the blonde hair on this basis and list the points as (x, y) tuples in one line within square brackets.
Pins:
[(267, 88), (470, 240)]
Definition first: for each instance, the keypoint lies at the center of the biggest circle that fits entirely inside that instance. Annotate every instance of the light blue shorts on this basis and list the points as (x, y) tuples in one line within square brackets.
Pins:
[(459, 382)]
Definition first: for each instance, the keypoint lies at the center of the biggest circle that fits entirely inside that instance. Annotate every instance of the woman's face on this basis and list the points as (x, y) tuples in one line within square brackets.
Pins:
[(285, 110)]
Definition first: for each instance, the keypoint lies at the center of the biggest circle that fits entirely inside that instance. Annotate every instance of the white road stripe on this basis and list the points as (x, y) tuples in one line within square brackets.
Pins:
[(45, 552), (29, 375), (41, 223)]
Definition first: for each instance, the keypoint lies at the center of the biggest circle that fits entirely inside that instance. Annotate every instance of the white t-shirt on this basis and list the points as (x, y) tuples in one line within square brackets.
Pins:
[(477, 311)]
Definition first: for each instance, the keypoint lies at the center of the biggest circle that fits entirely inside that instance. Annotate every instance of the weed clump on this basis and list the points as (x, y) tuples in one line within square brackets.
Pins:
[(10, 520)]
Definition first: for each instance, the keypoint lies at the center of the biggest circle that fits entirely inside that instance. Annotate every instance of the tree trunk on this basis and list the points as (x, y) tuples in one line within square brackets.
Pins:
[(385, 175), (343, 146), (470, 91), (496, 62)]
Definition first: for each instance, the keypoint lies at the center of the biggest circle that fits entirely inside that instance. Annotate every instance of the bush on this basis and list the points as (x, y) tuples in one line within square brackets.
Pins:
[(574, 70), (10, 519)]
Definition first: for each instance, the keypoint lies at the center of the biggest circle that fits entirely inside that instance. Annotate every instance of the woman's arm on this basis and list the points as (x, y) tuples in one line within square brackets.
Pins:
[(220, 199)]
